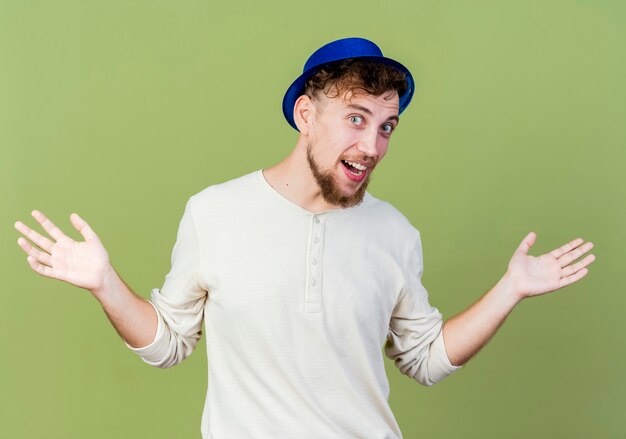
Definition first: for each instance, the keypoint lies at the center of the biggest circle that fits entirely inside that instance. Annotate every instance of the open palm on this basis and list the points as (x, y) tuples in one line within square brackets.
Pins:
[(79, 263), (541, 274)]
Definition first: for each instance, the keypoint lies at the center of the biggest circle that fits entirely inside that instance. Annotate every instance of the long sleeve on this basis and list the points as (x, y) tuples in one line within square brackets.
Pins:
[(179, 304), (415, 338)]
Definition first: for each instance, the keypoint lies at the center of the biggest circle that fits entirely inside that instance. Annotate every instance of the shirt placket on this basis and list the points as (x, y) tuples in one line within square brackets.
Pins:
[(313, 288)]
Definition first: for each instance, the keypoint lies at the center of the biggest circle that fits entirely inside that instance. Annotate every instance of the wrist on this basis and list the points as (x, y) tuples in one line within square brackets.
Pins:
[(109, 280), (508, 289)]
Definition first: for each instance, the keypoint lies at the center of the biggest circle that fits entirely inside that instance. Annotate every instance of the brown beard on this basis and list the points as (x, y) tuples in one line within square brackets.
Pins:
[(330, 190)]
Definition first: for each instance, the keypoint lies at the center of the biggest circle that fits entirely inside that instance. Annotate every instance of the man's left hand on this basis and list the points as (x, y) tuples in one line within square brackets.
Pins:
[(535, 275)]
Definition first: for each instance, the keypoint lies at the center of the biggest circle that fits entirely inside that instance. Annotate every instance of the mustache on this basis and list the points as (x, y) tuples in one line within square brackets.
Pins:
[(369, 162)]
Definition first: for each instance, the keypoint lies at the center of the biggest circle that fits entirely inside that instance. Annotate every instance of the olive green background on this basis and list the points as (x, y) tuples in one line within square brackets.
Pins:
[(121, 110)]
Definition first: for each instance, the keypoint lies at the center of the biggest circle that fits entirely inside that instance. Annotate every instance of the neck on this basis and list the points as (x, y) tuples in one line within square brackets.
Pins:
[(293, 179)]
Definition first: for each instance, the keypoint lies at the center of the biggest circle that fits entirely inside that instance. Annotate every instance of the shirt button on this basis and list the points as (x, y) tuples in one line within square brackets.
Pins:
[(317, 220), (314, 261), (313, 282), (316, 240)]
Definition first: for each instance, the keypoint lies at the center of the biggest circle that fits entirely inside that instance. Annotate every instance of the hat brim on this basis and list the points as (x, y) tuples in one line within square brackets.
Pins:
[(296, 89)]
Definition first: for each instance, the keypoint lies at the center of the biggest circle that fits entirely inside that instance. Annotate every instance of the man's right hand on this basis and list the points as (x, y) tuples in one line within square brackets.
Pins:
[(83, 264), (86, 265)]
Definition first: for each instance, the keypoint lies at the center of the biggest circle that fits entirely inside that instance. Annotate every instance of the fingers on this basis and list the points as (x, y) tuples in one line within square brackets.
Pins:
[(567, 247), (572, 269), (44, 270), (82, 226), (573, 278), (48, 225), (34, 253), (570, 252), (41, 241), (527, 242), (574, 254)]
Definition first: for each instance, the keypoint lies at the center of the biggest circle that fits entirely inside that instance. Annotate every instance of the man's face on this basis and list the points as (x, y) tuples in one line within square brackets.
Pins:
[(347, 139)]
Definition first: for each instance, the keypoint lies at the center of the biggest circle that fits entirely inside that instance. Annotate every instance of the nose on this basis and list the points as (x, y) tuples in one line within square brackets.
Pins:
[(368, 144)]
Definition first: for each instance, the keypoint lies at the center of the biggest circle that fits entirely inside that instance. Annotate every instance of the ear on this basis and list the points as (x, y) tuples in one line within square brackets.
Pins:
[(304, 114)]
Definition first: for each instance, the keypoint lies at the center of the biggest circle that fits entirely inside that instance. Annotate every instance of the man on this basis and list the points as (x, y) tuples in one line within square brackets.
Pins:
[(301, 276)]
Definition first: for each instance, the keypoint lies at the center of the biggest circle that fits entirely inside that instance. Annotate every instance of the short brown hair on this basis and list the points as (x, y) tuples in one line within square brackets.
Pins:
[(354, 75)]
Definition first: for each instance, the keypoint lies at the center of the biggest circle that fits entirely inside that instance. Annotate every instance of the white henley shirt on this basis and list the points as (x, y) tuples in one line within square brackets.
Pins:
[(297, 307)]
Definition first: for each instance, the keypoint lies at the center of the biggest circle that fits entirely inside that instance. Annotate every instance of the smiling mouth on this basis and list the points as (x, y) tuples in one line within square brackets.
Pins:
[(355, 169)]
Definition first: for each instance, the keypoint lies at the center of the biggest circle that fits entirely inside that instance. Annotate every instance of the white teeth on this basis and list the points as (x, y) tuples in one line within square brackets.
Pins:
[(357, 165)]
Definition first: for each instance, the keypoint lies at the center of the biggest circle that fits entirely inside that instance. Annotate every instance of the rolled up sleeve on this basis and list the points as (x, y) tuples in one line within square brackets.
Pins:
[(179, 304), (415, 338)]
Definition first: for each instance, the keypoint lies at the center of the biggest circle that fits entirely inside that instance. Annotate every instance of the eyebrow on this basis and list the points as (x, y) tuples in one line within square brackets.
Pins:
[(369, 112)]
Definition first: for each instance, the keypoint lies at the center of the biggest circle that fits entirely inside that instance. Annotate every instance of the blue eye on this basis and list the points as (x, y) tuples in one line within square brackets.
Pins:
[(388, 128), (356, 119)]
